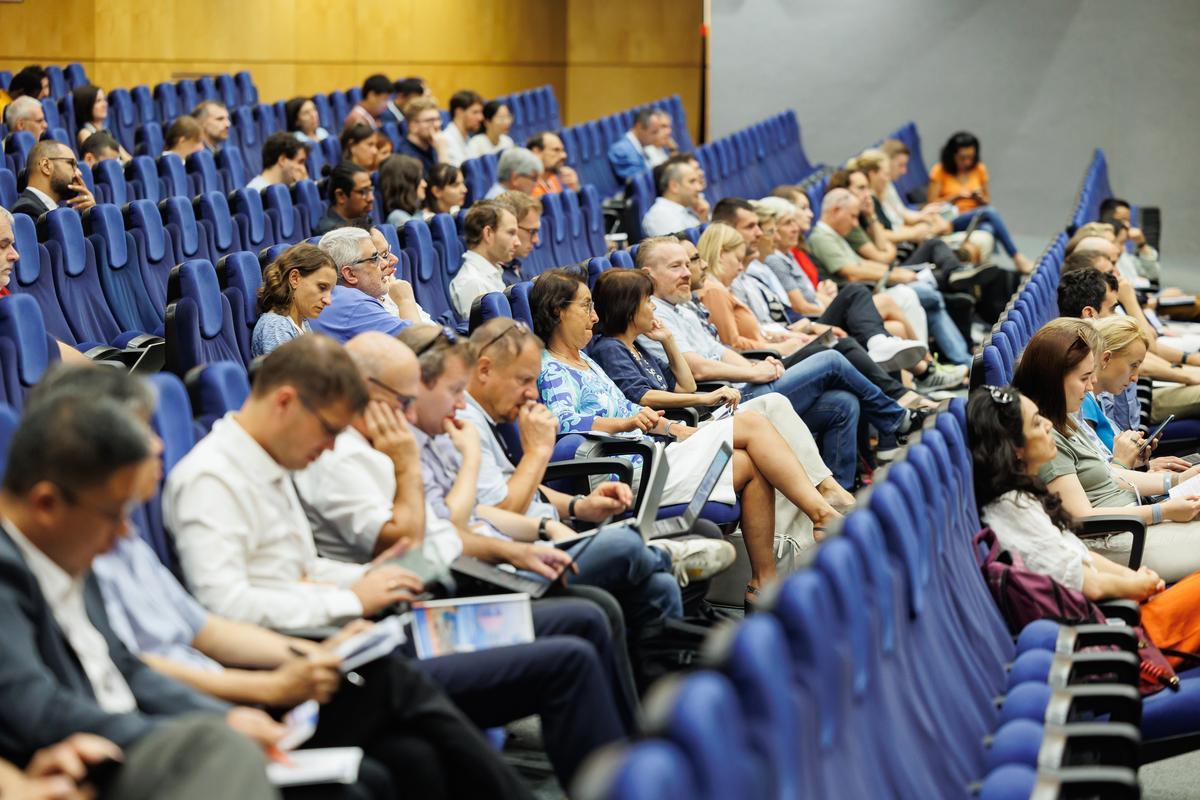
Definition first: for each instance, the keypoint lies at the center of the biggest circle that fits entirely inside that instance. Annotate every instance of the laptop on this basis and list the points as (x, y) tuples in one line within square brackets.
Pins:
[(655, 480), (684, 522), (468, 570)]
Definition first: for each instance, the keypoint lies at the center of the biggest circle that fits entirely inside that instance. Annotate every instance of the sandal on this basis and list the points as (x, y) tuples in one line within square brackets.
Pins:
[(748, 606)]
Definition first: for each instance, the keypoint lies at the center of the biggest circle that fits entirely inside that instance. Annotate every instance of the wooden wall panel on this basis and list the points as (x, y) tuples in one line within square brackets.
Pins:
[(600, 57)]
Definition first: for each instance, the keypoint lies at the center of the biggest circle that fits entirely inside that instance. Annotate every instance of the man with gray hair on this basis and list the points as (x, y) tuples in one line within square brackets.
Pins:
[(679, 186), (53, 179), (356, 306), (26, 114), (518, 171), (644, 146)]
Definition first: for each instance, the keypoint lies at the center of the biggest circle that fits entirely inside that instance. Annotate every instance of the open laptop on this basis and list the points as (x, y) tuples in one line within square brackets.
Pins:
[(683, 523), (655, 479)]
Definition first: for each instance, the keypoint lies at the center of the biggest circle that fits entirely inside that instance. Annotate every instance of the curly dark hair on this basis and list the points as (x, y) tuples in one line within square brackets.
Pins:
[(552, 291), (955, 143), (995, 430)]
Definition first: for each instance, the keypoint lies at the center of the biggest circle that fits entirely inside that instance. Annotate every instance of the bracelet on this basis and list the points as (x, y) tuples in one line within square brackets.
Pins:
[(542, 523), (1119, 464), (571, 505), (667, 430), (1156, 514), (1168, 482)]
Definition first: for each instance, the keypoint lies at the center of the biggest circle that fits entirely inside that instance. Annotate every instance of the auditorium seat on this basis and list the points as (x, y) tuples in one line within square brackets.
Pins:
[(215, 389), (253, 225), (246, 88), (27, 349), (488, 307), (167, 102), (232, 168), (240, 277), (148, 140), (446, 244), (172, 421), (227, 91), (110, 182), (9, 419), (289, 223), (31, 276), (307, 198), (173, 177), (199, 324), (428, 279), (120, 270), (518, 301), (645, 770), (243, 134), (8, 188), (220, 228), (202, 170)]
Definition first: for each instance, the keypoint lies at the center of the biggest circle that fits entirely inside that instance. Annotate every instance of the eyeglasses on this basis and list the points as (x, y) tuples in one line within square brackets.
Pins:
[(694, 259), (366, 191), (117, 517), (516, 325), (74, 164), (586, 305), (1001, 394), (445, 333), (531, 231), (333, 431), (377, 258), (404, 400)]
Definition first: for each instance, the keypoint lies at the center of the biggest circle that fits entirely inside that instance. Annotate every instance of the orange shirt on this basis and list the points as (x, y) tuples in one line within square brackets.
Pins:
[(942, 184), (736, 324), (547, 185)]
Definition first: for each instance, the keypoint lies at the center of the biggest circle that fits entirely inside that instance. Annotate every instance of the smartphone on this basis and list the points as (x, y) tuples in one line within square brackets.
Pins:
[(828, 338), (1149, 439)]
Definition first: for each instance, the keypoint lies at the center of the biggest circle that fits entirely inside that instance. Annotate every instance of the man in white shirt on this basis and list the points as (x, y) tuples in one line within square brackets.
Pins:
[(77, 466), (283, 158), (466, 115), (244, 542), (491, 234), (679, 187)]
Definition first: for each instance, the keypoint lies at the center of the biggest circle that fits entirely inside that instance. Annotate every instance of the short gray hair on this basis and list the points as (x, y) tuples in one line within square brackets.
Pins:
[(6, 215), (518, 161), (837, 198), (341, 244), (22, 108)]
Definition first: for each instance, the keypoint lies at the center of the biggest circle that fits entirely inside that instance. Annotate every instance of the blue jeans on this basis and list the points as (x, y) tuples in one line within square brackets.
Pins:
[(833, 421), (943, 330), (806, 384), (991, 221), (638, 576)]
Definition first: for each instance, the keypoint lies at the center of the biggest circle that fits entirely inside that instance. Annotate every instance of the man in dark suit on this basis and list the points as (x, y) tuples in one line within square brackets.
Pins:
[(76, 467), (53, 179)]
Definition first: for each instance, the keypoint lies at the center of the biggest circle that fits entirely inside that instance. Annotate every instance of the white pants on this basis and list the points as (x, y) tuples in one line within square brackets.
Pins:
[(1172, 548), (910, 304)]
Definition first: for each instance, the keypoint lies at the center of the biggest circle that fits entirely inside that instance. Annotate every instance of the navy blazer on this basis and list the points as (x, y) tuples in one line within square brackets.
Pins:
[(45, 695), (29, 203)]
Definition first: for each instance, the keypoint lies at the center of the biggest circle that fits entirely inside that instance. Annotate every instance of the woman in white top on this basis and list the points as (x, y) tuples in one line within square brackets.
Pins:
[(1010, 442), (304, 121), (91, 114), (297, 286), (497, 119)]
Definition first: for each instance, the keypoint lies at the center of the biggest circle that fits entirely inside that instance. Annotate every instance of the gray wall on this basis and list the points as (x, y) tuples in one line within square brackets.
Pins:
[(1041, 82)]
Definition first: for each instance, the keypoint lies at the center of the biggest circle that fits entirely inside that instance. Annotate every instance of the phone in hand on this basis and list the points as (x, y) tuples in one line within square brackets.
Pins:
[(1157, 431)]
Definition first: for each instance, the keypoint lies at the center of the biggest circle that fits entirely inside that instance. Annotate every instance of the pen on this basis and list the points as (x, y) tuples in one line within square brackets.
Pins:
[(353, 677)]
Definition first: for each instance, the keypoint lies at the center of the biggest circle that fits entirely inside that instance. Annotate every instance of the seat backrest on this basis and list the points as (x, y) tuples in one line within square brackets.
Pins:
[(287, 219), (307, 198), (621, 258), (203, 168), (446, 244), (240, 277), (8, 188), (487, 307), (120, 270), (167, 101), (199, 325), (172, 421), (29, 350), (215, 389), (9, 419), (153, 248), (223, 232), (518, 302), (648, 770), (148, 140), (173, 174), (429, 278), (76, 277), (188, 238), (227, 90), (141, 179), (232, 168), (110, 177), (246, 88), (243, 134), (256, 229), (32, 276)]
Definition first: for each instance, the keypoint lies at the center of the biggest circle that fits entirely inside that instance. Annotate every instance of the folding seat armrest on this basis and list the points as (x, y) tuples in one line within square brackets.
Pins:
[(1109, 743), (710, 386), (1128, 611), (586, 467), (1092, 527), (688, 416), (1124, 668), (1114, 783), (1091, 701), (1100, 635), (760, 355)]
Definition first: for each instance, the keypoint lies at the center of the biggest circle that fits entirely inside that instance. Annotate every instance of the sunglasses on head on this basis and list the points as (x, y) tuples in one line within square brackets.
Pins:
[(1001, 394)]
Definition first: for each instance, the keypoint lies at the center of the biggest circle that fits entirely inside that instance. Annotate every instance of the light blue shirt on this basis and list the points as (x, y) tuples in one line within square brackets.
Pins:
[(495, 467), (688, 330), (353, 312), (440, 464), (272, 330), (148, 610), (1122, 409)]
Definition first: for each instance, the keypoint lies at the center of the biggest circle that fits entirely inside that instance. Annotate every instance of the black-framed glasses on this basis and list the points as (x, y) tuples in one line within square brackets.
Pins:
[(404, 400), (531, 231), (1001, 394), (445, 333), (517, 325), (333, 431), (378, 258), (69, 159), (365, 191)]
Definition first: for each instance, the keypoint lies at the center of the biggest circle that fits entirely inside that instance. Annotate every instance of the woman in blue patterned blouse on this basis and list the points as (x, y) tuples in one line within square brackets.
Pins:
[(584, 398), (296, 287)]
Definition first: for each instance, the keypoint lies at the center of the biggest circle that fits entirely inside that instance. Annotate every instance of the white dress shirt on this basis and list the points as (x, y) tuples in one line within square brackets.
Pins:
[(64, 594), (243, 540), (46, 199), (480, 145), (476, 276), (456, 145), (666, 217), (348, 494), (1021, 524)]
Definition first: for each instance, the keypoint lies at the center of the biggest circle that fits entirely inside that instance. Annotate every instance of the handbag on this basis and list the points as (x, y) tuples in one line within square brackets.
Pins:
[(1024, 596)]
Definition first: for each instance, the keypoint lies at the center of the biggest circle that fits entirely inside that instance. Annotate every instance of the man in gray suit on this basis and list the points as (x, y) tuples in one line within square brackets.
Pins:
[(76, 468)]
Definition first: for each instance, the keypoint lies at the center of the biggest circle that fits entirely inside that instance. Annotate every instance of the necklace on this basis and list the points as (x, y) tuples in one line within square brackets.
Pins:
[(647, 366), (574, 360)]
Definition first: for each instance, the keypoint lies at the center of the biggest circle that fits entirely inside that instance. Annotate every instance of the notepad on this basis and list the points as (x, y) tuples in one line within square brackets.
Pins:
[(320, 765), (375, 642), (1189, 488)]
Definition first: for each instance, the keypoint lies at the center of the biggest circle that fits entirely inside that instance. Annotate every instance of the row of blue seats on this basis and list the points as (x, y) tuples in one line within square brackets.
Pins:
[(232, 90), (1094, 190), (62, 79), (533, 111), (748, 163), (884, 669), (587, 144)]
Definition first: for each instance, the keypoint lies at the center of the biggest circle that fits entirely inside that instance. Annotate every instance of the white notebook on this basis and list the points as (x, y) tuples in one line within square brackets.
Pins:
[(320, 765)]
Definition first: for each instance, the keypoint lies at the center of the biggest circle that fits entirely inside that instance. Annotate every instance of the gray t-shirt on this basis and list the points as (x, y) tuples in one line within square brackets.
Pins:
[(1076, 456)]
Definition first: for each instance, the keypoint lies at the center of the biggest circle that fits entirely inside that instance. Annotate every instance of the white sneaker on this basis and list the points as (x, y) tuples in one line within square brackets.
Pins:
[(697, 558), (892, 353)]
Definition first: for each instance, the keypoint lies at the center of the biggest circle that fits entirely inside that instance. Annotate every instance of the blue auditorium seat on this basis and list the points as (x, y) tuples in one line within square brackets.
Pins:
[(189, 239), (289, 224), (647, 770), (9, 419), (18, 145), (75, 75), (227, 91), (173, 176), (518, 302), (428, 279), (307, 198), (31, 276), (243, 134), (123, 117), (27, 349), (172, 421), (621, 258), (253, 225), (148, 140), (143, 102), (8, 188), (556, 229), (167, 102), (595, 267), (488, 307), (593, 219), (57, 80), (246, 88), (216, 389), (120, 270), (446, 244), (232, 169), (187, 95), (640, 194), (199, 324), (240, 277), (110, 183), (141, 179), (202, 169), (222, 230)]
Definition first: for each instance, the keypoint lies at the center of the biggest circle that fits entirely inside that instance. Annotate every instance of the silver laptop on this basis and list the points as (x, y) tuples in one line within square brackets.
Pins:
[(655, 480), (684, 522)]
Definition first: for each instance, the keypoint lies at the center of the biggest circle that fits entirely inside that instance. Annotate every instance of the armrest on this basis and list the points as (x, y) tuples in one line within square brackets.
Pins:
[(710, 386), (1091, 701), (1072, 638), (1120, 667), (688, 416), (759, 354), (1115, 783), (1083, 743), (1128, 611), (586, 467), (1091, 527)]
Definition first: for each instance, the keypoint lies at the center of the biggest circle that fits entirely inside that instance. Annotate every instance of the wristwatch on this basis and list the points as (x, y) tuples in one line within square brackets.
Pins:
[(571, 509), (542, 523)]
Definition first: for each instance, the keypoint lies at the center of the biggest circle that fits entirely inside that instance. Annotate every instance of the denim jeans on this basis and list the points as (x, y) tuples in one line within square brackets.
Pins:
[(991, 221), (806, 385), (639, 576), (941, 327)]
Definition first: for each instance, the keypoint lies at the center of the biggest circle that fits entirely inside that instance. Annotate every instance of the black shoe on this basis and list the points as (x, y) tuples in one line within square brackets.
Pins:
[(971, 279), (915, 421)]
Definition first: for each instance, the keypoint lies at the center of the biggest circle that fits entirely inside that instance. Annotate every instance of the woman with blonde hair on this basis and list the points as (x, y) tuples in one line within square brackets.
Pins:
[(297, 286)]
